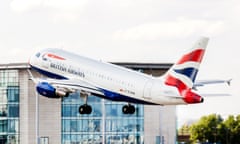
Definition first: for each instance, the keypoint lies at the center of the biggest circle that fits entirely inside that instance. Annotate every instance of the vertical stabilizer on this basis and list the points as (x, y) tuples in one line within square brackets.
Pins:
[(183, 73)]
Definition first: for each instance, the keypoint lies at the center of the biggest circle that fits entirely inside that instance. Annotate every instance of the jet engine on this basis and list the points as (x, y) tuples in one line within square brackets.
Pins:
[(47, 90)]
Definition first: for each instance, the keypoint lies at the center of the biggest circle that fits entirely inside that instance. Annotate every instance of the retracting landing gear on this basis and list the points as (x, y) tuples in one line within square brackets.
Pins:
[(85, 108), (128, 109)]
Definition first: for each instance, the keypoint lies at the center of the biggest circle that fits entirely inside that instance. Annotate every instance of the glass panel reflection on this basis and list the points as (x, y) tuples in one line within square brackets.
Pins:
[(9, 107), (106, 122)]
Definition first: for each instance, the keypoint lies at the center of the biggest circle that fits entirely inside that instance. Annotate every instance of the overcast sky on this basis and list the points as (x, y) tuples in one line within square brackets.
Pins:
[(132, 31)]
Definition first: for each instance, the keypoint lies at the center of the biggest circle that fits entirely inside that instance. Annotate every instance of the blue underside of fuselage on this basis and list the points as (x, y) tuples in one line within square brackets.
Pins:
[(107, 94), (119, 97)]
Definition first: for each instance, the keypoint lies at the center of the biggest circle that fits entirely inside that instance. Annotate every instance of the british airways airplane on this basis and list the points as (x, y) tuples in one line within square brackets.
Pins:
[(70, 73)]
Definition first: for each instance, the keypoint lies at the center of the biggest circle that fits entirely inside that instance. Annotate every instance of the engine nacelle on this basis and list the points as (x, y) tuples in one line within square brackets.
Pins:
[(47, 90)]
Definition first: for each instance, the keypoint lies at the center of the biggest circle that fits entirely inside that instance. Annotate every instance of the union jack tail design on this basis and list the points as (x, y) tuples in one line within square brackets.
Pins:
[(183, 73)]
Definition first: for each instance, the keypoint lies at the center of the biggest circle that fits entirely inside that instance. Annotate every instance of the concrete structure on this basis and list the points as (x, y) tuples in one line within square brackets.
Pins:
[(159, 122)]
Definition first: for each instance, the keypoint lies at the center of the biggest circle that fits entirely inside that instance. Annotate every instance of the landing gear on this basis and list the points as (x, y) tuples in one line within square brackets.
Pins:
[(128, 109), (85, 109)]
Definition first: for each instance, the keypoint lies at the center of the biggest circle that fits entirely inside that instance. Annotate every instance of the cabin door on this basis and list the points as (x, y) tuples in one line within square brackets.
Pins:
[(147, 90)]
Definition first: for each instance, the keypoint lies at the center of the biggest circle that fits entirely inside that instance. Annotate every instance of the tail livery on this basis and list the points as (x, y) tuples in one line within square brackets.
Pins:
[(183, 74)]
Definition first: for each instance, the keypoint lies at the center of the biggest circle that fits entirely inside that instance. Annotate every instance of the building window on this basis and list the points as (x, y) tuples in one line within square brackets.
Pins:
[(9, 107), (44, 140), (106, 122)]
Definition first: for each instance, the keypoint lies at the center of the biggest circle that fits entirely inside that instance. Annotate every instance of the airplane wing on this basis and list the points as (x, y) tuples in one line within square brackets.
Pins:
[(207, 82), (65, 86), (72, 86)]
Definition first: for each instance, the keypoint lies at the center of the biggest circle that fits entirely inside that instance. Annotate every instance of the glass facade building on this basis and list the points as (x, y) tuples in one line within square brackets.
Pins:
[(107, 124), (9, 107), (59, 121)]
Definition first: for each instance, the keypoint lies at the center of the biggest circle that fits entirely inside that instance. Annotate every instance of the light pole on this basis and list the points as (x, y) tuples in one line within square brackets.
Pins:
[(103, 120), (37, 118), (35, 81)]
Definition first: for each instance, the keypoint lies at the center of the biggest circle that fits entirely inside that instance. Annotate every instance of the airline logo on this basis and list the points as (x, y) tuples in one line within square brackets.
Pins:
[(183, 74), (54, 56)]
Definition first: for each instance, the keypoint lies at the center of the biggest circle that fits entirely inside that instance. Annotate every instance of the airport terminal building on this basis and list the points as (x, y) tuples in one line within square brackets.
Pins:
[(27, 118)]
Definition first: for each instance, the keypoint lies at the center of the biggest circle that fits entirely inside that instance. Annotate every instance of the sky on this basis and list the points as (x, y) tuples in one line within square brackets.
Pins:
[(155, 31)]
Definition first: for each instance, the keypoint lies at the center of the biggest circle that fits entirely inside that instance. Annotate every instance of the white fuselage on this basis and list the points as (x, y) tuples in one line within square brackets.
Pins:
[(128, 83)]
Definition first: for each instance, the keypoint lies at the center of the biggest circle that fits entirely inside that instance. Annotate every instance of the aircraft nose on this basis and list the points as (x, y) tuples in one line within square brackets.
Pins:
[(32, 60), (29, 60)]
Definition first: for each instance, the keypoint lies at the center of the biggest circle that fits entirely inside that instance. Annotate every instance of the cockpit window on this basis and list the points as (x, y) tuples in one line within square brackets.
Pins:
[(44, 57), (38, 55)]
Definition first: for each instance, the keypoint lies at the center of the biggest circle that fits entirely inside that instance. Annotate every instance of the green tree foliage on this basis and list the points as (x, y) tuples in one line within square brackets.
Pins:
[(184, 130), (206, 129), (214, 129), (232, 126)]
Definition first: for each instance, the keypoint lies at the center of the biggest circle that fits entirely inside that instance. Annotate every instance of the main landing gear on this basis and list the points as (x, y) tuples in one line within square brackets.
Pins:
[(128, 109), (85, 108)]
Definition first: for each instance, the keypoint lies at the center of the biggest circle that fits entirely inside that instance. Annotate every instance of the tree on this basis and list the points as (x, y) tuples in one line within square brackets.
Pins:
[(213, 129), (207, 129), (183, 134), (232, 126), (184, 130)]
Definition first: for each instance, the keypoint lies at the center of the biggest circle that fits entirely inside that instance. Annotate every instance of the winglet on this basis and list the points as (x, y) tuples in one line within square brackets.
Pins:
[(229, 82)]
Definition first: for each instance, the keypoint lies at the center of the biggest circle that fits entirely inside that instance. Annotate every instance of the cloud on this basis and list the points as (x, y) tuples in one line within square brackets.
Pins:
[(58, 10), (24, 5), (171, 29), (67, 5)]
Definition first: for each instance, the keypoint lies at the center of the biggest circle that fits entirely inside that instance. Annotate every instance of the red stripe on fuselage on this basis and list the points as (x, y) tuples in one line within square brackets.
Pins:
[(195, 56), (55, 56)]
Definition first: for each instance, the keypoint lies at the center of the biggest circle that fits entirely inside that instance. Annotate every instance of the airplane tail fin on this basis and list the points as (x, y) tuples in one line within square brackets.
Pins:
[(183, 73)]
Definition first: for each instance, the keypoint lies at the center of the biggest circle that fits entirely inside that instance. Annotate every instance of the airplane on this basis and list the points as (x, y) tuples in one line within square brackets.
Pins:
[(70, 73)]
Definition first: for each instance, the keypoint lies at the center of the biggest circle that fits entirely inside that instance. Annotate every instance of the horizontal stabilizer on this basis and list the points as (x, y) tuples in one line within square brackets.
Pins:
[(214, 95), (206, 82)]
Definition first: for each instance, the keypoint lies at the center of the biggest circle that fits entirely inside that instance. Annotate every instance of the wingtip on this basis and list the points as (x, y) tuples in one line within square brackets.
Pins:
[(229, 82)]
